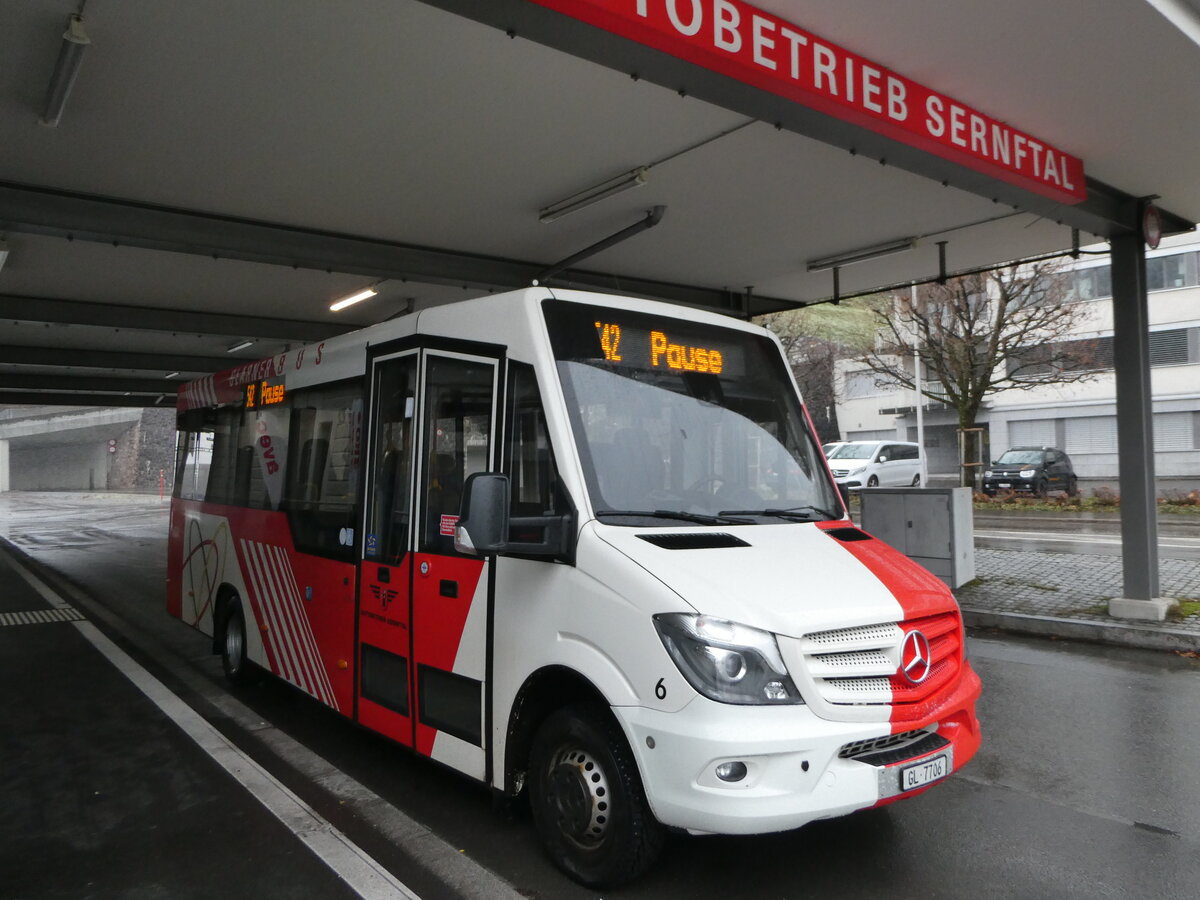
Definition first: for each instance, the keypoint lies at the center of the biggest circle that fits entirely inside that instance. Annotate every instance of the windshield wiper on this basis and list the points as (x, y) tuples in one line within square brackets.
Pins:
[(799, 513), (698, 518)]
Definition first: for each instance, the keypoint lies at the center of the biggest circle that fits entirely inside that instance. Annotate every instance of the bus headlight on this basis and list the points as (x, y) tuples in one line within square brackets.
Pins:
[(725, 661)]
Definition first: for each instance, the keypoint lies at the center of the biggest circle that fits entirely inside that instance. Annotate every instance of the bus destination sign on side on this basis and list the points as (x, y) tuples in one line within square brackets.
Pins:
[(263, 393)]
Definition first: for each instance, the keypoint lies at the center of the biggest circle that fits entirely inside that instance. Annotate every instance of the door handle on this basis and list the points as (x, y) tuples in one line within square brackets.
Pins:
[(448, 588)]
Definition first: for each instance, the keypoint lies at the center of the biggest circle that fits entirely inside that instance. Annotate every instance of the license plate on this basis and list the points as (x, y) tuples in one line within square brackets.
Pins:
[(923, 773), (1004, 484)]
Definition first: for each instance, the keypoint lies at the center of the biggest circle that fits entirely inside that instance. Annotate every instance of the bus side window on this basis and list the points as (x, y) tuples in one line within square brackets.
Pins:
[(528, 456), (324, 450), (458, 410), (226, 424), (387, 537), (195, 448), (262, 456)]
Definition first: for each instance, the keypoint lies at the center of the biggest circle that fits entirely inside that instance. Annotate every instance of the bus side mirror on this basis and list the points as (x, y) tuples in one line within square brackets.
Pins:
[(483, 528)]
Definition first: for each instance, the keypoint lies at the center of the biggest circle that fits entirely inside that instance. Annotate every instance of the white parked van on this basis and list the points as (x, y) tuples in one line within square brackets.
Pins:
[(581, 547), (857, 464)]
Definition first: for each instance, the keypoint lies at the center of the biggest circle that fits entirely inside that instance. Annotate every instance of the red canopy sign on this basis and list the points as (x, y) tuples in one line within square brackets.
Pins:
[(770, 53)]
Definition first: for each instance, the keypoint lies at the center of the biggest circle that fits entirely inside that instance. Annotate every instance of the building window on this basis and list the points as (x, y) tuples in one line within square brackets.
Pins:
[(1045, 360), (862, 384), (1034, 433), (1091, 434), (1092, 284), (1163, 273), (1169, 347), (1174, 431)]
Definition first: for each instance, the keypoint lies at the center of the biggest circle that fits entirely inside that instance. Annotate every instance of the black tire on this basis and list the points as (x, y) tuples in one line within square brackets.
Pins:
[(1041, 489), (587, 800), (1073, 487), (239, 670), (916, 479), (873, 481)]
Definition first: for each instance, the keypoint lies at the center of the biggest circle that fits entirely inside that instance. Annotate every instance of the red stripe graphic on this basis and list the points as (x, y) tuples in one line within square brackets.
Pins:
[(289, 631)]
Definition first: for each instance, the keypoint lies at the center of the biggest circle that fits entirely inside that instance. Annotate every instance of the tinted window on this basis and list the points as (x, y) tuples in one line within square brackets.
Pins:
[(324, 461), (458, 423), (387, 537), (528, 456)]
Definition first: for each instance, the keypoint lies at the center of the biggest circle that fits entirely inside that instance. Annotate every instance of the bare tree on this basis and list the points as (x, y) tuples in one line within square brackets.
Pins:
[(1006, 329)]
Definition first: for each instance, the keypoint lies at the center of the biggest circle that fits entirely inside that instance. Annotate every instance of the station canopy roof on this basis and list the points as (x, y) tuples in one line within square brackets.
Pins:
[(222, 171)]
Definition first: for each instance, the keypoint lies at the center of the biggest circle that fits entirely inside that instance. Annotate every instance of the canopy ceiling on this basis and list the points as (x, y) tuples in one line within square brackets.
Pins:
[(224, 170)]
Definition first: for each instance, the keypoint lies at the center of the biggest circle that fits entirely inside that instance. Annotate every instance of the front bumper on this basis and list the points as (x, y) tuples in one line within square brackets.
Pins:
[(794, 773), (996, 484)]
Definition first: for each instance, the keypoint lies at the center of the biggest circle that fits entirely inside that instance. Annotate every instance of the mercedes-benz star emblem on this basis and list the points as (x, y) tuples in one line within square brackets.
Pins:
[(916, 659)]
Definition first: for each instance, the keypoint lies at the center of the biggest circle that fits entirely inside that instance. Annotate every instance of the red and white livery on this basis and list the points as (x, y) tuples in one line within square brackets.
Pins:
[(577, 545)]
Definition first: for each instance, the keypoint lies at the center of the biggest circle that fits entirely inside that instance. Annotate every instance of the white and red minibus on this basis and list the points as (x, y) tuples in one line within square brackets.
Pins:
[(573, 545)]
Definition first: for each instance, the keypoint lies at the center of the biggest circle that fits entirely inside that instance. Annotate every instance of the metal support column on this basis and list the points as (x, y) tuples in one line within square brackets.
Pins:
[(1135, 434)]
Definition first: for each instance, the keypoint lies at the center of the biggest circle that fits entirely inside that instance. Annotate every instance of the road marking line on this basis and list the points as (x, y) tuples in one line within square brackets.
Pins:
[(40, 616), (450, 866), (348, 861), (43, 590)]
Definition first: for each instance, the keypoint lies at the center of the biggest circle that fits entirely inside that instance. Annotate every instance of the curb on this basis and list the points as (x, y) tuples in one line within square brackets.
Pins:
[(1142, 637)]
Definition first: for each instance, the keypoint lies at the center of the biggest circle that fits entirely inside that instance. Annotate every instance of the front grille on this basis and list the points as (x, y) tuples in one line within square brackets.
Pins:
[(926, 742), (855, 749), (861, 666)]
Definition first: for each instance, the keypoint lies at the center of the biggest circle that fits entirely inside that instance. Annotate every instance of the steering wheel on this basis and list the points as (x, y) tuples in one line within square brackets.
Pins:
[(708, 484)]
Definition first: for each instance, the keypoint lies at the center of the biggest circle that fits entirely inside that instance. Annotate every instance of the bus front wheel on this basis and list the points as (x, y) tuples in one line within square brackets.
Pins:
[(587, 800), (239, 670)]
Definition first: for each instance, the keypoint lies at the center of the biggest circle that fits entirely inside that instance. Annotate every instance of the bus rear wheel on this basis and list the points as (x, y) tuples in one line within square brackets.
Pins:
[(587, 800), (239, 670)]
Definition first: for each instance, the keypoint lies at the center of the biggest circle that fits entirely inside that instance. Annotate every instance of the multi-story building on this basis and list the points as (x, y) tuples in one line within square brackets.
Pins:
[(1077, 417)]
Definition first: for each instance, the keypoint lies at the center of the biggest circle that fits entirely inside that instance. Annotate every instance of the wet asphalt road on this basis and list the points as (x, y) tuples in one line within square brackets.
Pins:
[(1178, 534), (1086, 786)]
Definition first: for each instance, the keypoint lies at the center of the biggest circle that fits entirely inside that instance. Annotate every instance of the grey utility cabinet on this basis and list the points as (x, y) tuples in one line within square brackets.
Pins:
[(931, 526)]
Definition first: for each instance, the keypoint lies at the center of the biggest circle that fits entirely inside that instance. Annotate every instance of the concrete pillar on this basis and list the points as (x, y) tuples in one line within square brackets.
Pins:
[(5, 482), (1135, 435)]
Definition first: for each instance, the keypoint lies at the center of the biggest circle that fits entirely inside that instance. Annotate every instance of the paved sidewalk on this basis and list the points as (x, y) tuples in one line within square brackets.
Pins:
[(1066, 595)]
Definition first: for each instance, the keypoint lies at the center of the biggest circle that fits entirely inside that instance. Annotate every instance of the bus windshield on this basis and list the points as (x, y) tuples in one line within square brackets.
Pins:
[(676, 417)]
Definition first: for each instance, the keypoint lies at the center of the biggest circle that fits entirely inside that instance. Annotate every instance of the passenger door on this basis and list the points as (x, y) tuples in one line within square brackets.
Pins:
[(385, 580), (423, 606), (1056, 470), (890, 467), (450, 590)]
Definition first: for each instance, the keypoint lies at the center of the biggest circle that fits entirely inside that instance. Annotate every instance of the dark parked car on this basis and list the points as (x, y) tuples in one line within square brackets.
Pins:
[(1036, 470)]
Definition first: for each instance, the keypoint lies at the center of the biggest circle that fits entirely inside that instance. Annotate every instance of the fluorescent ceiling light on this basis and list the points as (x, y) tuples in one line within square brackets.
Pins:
[(70, 55), (3, 254), (632, 179), (240, 345), (857, 256), (172, 374), (354, 298)]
